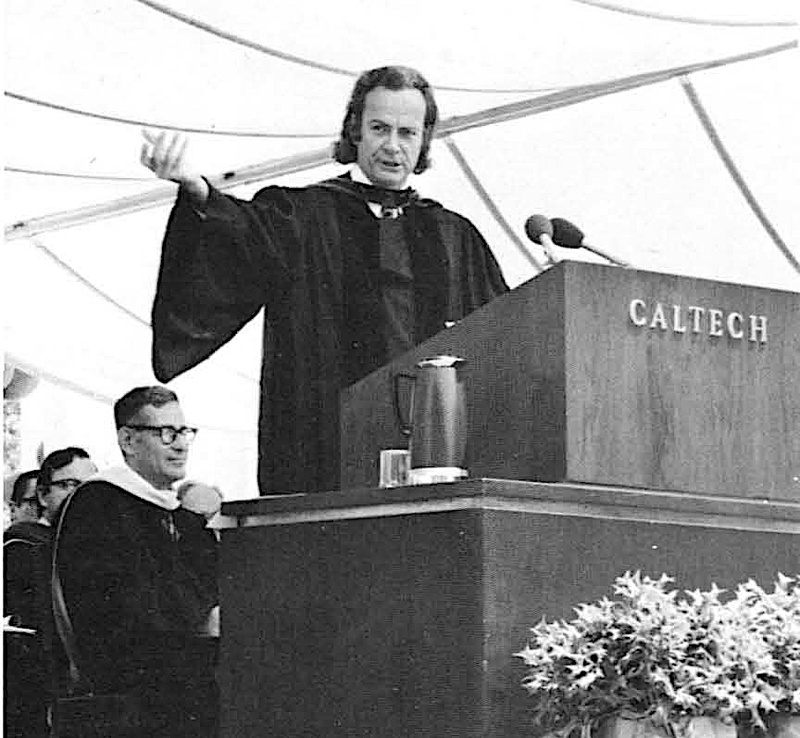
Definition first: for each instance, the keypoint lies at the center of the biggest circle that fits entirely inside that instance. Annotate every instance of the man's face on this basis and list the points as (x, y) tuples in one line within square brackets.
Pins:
[(64, 482), (146, 453), (27, 509), (392, 127)]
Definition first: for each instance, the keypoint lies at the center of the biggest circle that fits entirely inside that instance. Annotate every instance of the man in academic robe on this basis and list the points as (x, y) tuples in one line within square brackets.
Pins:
[(23, 501), (352, 272), (34, 668), (135, 575), (27, 544)]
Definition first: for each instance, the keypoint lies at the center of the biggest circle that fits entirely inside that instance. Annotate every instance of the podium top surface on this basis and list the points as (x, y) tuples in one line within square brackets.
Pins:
[(577, 500)]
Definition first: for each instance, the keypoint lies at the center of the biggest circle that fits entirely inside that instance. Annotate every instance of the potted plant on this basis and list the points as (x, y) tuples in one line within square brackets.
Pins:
[(699, 663), (760, 643)]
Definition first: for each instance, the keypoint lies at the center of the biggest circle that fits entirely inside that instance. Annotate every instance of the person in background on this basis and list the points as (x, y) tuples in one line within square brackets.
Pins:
[(61, 473), (136, 573), (35, 668), (24, 501), (26, 540), (352, 272)]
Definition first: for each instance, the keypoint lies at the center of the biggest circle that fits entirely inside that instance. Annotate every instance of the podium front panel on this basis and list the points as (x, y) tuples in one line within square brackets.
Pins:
[(396, 613)]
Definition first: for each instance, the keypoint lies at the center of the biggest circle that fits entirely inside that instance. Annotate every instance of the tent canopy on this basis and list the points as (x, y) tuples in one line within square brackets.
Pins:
[(666, 130)]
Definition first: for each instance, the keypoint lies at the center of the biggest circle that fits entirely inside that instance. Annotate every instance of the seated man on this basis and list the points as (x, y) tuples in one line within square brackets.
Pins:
[(24, 503), (33, 665), (135, 574), (25, 540)]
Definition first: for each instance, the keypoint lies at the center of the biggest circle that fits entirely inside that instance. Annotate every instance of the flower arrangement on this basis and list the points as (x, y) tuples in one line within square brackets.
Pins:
[(651, 654)]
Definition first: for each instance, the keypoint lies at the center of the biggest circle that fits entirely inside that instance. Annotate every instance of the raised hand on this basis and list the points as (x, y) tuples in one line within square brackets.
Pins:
[(164, 154)]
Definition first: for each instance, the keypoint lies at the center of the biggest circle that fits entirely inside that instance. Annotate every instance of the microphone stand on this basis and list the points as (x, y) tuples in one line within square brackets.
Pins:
[(605, 255)]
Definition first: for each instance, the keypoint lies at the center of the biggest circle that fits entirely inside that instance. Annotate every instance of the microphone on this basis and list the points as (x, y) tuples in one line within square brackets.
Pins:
[(569, 236), (539, 229)]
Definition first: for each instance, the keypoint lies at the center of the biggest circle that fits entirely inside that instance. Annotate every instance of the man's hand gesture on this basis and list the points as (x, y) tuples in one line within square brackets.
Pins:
[(164, 154)]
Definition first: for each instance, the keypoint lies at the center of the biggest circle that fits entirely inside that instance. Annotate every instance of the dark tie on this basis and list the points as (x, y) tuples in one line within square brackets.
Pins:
[(392, 202)]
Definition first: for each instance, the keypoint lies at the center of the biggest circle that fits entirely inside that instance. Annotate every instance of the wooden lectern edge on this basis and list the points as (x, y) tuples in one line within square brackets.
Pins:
[(549, 498)]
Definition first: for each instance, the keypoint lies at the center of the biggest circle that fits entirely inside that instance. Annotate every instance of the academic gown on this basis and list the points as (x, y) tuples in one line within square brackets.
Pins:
[(138, 582), (310, 257), (27, 658), (26, 553)]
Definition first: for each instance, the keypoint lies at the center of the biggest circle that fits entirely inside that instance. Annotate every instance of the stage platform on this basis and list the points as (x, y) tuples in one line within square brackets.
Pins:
[(396, 612)]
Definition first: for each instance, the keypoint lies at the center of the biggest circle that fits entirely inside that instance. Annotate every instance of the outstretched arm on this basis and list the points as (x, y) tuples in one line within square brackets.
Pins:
[(223, 258), (164, 154)]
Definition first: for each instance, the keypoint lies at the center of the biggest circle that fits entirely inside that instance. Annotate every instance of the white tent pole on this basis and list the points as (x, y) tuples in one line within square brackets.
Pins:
[(312, 159), (574, 95), (164, 195), (80, 389), (474, 180), (157, 124), (118, 305), (733, 170), (60, 381), (730, 23)]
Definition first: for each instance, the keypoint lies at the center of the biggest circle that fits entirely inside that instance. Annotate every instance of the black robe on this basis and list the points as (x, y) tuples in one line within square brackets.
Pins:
[(30, 661), (310, 257), (138, 583), (27, 547)]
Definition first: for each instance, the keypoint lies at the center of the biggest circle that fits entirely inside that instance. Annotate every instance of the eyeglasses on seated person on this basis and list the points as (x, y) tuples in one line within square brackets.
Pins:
[(168, 433)]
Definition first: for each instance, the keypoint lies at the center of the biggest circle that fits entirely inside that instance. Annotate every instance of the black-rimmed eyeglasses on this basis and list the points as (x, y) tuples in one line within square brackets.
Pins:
[(168, 433), (68, 485)]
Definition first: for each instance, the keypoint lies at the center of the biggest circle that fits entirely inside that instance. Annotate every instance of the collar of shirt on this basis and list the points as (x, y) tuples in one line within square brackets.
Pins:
[(358, 176)]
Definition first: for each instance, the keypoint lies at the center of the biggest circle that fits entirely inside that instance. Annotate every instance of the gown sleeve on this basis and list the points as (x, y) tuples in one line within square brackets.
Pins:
[(218, 268), (478, 277), (483, 271)]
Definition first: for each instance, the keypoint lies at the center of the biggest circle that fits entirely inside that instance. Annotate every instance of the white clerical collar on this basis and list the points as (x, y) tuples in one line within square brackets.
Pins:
[(135, 484)]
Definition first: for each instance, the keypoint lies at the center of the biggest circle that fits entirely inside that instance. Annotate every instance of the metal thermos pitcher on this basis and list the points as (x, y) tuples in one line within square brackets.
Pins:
[(437, 420)]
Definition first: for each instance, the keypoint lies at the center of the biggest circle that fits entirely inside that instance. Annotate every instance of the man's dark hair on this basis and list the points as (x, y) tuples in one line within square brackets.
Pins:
[(21, 485), (58, 460), (129, 405), (392, 78)]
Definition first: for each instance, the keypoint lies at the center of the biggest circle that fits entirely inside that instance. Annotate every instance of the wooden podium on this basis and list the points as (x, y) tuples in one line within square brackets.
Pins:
[(618, 420), (396, 613), (592, 373)]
